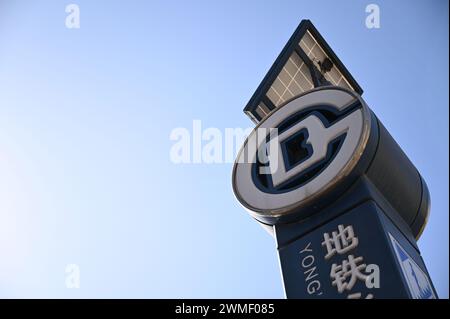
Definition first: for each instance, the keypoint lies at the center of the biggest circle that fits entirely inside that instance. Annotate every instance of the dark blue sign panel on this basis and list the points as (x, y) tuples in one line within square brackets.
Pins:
[(360, 254)]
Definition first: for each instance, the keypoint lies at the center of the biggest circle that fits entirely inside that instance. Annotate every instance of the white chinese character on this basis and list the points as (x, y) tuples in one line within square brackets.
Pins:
[(358, 296), (345, 275), (340, 242)]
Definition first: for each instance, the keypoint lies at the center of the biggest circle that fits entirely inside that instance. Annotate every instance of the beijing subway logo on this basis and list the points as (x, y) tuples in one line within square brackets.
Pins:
[(313, 141), (303, 149)]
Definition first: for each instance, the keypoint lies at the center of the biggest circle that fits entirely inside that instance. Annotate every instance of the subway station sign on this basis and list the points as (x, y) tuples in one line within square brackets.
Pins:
[(324, 176)]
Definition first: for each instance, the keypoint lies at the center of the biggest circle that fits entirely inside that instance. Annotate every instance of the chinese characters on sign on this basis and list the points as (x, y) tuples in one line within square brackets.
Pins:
[(345, 275)]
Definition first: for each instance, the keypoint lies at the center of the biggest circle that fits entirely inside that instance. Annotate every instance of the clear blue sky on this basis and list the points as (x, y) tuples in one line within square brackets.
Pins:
[(85, 118)]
